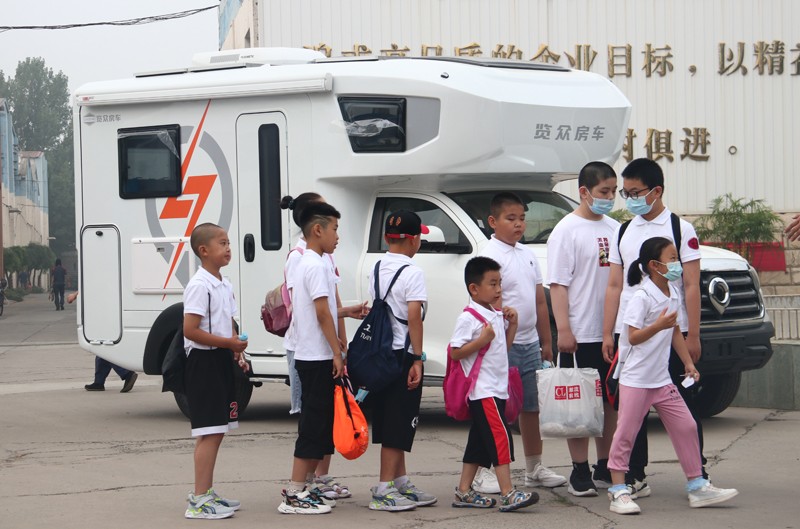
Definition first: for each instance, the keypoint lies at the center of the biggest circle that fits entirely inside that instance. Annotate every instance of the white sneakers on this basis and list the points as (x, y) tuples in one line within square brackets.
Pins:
[(708, 494), (622, 503), (485, 482), (543, 477)]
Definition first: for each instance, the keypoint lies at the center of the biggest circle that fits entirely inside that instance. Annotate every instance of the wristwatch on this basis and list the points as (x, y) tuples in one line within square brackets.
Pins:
[(420, 358)]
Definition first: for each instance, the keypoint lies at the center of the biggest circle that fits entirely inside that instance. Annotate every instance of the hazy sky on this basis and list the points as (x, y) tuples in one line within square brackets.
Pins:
[(102, 53)]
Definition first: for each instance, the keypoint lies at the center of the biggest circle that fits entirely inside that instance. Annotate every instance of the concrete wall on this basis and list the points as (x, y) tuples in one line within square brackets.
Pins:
[(776, 385)]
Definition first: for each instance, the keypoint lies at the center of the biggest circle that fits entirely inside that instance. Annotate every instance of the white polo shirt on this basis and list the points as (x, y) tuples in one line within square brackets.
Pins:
[(493, 376), (314, 279), (639, 231), (577, 258), (647, 365), (204, 288), (289, 339), (410, 286), (520, 274)]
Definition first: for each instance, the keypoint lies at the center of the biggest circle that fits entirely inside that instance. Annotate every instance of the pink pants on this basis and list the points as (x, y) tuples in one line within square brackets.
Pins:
[(634, 403)]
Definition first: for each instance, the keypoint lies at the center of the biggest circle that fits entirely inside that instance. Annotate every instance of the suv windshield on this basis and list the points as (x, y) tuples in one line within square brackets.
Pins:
[(543, 210)]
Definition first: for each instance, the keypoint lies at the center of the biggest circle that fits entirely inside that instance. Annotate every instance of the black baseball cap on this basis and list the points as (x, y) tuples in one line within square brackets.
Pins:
[(403, 223)]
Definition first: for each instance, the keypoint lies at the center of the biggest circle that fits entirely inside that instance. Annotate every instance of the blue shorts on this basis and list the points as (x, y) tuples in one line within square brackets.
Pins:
[(528, 359)]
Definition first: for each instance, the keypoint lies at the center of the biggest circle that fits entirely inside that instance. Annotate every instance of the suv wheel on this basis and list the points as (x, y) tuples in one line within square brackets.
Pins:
[(716, 392)]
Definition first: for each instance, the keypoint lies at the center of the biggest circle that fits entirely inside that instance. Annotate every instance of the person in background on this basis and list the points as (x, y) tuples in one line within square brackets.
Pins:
[(102, 368), (59, 279)]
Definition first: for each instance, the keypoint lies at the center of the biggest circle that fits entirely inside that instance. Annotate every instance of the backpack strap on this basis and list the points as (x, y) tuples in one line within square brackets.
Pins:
[(483, 321), (377, 287), (622, 230), (676, 233)]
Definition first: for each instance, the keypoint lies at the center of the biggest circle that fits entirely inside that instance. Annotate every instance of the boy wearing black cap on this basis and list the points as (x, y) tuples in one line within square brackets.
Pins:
[(396, 408)]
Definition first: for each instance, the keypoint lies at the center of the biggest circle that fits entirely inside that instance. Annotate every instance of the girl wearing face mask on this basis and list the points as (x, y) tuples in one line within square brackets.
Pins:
[(650, 326)]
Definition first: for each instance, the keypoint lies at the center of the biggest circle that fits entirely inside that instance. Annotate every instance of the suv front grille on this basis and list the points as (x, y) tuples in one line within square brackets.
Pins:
[(737, 287)]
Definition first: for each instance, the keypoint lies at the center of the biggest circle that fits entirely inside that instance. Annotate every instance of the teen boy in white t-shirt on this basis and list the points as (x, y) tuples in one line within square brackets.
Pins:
[(318, 357), (578, 266), (523, 290), (643, 189), (396, 407)]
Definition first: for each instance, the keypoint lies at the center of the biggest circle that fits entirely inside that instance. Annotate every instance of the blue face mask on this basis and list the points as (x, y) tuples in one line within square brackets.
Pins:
[(639, 205), (674, 270), (601, 206)]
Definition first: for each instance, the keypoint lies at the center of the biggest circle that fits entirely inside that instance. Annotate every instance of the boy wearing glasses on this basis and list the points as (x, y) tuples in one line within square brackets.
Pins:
[(643, 189)]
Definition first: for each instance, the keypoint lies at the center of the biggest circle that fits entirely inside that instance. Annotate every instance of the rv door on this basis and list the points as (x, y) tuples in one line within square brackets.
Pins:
[(261, 250)]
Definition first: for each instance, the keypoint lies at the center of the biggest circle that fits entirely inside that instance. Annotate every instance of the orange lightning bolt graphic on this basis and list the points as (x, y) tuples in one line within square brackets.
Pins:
[(201, 186)]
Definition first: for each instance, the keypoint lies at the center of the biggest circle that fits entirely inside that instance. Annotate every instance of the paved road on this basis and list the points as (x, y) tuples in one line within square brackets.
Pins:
[(72, 459)]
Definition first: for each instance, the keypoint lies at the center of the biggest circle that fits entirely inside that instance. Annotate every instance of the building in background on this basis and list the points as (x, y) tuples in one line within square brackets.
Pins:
[(23, 189), (714, 84)]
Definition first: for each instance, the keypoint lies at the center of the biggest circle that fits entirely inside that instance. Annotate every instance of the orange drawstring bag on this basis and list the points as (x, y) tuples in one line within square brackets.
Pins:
[(350, 431)]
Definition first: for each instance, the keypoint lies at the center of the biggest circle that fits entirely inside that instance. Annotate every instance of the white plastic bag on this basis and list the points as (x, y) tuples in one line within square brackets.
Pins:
[(570, 402)]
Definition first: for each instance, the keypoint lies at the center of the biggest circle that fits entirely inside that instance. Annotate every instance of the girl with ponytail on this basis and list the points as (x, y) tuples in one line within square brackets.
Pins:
[(650, 327)]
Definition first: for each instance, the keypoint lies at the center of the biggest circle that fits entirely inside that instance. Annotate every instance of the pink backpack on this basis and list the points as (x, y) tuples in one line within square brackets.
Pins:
[(276, 312), (457, 386)]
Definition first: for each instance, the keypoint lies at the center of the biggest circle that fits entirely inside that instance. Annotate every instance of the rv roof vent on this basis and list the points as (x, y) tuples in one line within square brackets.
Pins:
[(271, 56)]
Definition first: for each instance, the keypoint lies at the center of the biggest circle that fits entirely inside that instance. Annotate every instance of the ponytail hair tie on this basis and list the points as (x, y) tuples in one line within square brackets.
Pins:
[(290, 205)]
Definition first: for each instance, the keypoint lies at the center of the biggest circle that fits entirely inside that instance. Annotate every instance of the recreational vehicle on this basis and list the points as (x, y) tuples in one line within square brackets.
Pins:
[(223, 140)]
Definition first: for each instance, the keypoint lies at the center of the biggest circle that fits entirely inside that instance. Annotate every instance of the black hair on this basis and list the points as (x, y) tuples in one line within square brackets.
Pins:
[(297, 205), (650, 251), (593, 173), (476, 268), (201, 234), (58, 262), (646, 170), (317, 213), (500, 200)]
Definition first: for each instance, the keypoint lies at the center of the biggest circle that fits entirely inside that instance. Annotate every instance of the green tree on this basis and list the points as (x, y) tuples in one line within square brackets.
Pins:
[(39, 100), (39, 258), (15, 260)]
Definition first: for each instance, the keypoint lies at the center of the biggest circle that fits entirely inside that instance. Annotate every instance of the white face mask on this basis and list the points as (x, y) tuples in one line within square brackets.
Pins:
[(601, 206)]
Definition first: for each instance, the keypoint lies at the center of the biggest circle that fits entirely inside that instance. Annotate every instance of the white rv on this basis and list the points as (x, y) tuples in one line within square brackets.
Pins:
[(224, 140)]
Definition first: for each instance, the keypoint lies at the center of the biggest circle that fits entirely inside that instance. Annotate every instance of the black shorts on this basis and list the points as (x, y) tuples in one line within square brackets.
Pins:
[(315, 427), (489, 442), (210, 391), (395, 410), (589, 355)]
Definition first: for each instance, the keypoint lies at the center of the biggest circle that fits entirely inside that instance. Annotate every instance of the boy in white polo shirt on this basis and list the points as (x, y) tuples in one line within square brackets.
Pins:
[(577, 265), (643, 189), (318, 357), (523, 290), (396, 408), (211, 346), (484, 327)]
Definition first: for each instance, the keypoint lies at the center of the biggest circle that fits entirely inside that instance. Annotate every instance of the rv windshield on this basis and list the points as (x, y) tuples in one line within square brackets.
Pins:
[(543, 210)]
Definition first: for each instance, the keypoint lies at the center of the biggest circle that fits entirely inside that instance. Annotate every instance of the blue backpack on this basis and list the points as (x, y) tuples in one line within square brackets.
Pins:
[(371, 362)]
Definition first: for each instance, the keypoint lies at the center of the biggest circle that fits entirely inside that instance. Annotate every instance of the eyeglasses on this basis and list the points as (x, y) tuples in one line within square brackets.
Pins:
[(633, 194)]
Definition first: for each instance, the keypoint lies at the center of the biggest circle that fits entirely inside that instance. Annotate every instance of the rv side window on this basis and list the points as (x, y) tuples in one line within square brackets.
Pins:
[(444, 236), (149, 162), (375, 124), (269, 176)]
